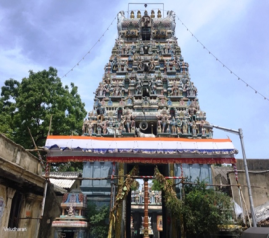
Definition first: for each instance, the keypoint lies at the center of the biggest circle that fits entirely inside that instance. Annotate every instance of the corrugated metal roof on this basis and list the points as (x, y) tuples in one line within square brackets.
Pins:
[(64, 183)]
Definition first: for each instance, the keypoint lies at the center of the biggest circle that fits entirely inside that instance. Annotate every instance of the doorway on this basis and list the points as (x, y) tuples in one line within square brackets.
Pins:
[(135, 204)]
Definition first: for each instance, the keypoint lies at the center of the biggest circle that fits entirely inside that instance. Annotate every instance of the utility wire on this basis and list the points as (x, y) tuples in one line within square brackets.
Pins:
[(224, 65), (77, 64), (204, 47)]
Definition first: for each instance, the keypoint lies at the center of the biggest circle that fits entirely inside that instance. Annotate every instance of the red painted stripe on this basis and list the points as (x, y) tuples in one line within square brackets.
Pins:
[(148, 160)]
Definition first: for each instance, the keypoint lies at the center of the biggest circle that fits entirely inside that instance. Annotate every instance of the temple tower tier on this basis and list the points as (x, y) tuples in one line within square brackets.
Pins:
[(146, 89)]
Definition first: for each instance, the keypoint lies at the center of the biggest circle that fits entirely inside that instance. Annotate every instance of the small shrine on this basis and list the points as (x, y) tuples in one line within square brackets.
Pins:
[(72, 222)]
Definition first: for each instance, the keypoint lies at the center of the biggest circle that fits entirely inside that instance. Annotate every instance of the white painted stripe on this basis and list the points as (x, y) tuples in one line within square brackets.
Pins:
[(136, 144)]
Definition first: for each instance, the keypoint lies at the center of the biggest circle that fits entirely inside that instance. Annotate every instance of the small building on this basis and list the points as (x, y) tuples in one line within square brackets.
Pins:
[(21, 191), (72, 223)]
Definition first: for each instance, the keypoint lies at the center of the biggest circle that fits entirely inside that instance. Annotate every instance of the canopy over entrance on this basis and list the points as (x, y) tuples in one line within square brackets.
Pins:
[(140, 150)]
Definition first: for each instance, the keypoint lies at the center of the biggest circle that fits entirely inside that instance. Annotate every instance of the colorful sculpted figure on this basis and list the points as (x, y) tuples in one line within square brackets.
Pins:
[(153, 87), (184, 126), (110, 122), (203, 131), (175, 91), (194, 127), (104, 126), (128, 124), (189, 127), (164, 123), (179, 125), (85, 126), (116, 91), (132, 126), (139, 86), (99, 127), (173, 126)]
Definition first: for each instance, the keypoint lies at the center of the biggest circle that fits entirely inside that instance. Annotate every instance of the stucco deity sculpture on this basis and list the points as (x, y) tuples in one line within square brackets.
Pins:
[(179, 125), (173, 126), (164, 124), (120, 18), (153, 86), (185, 126), (194, 127), (139, 86), (104, 127)]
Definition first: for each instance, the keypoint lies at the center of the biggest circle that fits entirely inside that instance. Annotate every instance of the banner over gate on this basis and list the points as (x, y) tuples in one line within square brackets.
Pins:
[(139, 150)]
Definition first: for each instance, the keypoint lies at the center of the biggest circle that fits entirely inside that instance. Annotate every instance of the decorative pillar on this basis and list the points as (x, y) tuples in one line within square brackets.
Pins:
[(173, 220), (119, 212), (146, 203)]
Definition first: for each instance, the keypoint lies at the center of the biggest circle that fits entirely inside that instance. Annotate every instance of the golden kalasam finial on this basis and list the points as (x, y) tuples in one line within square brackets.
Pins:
[(159, 14), (152, 14), (132, 14), (138, 14)]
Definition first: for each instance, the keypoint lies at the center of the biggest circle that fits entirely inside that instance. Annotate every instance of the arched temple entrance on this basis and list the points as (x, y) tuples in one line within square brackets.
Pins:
[(135, 209)]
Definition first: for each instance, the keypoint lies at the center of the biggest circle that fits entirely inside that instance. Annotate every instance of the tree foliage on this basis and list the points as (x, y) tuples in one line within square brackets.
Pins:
[(156, 186), (204, 209), (98, 218), (32, 102)]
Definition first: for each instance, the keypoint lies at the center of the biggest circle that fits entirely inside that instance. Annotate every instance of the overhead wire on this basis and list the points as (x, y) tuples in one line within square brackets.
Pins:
[(223, 64), (197, 40), (89, 51)]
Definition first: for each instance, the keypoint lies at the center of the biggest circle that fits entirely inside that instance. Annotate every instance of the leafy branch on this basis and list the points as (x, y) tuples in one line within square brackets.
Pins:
[(123, 191)]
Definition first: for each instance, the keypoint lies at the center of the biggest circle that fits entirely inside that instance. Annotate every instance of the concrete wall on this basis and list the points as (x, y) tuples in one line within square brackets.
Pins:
[(253, 164), (15, 153), (51, 211), (30, 226), (20, 172), (259, 185)]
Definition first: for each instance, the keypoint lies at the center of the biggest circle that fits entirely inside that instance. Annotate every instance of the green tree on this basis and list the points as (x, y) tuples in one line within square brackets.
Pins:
[(204, 209), (31, 103), (156, 186), (98, 218)]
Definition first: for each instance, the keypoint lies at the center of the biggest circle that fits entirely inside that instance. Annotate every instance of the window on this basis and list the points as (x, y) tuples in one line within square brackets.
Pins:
[(15, 210)]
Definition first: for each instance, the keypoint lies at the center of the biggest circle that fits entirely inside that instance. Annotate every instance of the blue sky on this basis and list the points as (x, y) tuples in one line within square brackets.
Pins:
[(37, 34)]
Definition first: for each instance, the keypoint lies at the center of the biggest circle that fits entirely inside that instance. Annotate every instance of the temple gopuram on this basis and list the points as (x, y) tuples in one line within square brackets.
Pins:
[(146, 113), (146, 88)]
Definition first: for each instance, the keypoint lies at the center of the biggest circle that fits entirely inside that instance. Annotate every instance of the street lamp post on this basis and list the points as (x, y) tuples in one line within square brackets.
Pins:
[(240, 133)]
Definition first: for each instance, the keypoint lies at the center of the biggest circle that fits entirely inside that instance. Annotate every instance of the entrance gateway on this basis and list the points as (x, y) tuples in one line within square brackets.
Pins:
[(146, 113)]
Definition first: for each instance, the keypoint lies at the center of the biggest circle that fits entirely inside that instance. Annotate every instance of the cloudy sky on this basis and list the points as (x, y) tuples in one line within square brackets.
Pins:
[(36, 34)]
